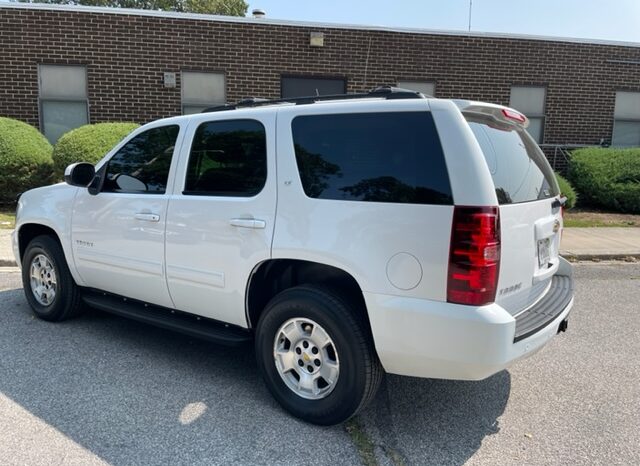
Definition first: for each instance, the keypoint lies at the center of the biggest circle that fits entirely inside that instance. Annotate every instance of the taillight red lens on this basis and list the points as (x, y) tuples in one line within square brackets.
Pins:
[(513, 115), (474, 256)]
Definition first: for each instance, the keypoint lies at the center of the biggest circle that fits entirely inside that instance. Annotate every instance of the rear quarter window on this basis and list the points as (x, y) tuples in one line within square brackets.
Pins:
[(519, 169), (391, 157)]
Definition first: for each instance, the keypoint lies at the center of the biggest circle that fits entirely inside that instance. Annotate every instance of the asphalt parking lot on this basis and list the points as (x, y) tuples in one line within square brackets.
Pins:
[(102, 389)]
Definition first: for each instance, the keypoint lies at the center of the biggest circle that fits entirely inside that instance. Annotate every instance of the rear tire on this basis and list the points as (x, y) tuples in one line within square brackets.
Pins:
[(316, 355), (48, 285)]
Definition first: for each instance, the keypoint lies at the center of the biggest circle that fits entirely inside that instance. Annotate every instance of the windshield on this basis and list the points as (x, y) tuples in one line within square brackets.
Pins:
[(520, 171)]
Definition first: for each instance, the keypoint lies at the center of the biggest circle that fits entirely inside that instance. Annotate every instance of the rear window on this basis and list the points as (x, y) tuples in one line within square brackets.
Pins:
[(374, 157), (519, 169)]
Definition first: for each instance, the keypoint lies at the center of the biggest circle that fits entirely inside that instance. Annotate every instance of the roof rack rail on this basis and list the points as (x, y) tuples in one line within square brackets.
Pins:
[(385, 92)]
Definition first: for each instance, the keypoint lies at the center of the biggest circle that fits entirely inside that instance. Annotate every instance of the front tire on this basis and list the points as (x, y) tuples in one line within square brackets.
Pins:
[(316, 355), (48, 285)]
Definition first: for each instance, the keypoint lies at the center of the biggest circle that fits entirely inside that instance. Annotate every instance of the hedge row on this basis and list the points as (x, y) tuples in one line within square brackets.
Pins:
[(567, 191), (607, 177), (27, 160), (88, 143)]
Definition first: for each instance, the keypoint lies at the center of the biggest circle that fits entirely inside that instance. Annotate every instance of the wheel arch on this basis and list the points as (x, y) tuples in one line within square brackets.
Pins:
[(29, 231), (276, 275)]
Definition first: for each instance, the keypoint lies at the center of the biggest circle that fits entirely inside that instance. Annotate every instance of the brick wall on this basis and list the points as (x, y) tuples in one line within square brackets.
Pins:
[(126, 55)]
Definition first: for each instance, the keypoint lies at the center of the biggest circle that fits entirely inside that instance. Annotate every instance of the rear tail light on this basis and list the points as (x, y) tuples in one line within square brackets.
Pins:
[(474, 256)]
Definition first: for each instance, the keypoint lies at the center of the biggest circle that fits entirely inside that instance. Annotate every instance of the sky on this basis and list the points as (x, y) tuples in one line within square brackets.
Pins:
[(588, 19)]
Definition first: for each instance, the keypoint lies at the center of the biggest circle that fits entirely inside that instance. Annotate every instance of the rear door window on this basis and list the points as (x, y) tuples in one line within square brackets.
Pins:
[(391, 157), (519, 169), (228, 158)]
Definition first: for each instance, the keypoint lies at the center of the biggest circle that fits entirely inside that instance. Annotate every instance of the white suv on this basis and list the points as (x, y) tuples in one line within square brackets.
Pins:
[(346, 235)]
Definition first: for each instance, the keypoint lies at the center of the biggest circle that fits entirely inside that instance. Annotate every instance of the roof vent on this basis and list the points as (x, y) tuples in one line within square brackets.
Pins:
[(258, 13)]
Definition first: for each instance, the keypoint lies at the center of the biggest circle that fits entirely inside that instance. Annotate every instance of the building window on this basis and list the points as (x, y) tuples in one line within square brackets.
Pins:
[(427, 88), (626, 124), (531, 101), (307, 87), (63, 99), (202, 90)]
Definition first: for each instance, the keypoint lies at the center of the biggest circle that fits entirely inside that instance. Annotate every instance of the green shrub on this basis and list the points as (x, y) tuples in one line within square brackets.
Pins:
[(567, 191), (88, 143), (607, 177), (25, 159)]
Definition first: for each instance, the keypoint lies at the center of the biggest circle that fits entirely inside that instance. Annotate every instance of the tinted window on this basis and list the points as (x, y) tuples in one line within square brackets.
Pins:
[(228, 158), (375, 157), (519, 169), (142, 164)]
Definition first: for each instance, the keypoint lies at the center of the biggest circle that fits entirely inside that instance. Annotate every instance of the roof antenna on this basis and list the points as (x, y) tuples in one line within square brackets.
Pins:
[(366, 63)]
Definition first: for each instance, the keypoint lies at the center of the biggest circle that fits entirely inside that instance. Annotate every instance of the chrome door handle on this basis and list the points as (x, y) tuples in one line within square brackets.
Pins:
[(147, 217), (248, 223)]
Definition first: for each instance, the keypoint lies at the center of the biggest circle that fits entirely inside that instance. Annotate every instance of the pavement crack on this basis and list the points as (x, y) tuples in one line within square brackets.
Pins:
[(363, 443), (373, 433), (394, 455)]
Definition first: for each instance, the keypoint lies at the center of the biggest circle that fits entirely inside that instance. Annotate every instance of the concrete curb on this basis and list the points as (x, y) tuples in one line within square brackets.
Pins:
[(7, 258), (602, 257)]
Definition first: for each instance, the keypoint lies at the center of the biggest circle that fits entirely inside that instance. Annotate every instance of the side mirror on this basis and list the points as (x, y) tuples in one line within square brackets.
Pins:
[(79, 174)]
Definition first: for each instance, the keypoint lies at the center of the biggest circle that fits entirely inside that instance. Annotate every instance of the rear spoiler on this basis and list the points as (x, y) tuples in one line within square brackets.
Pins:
[(499, 112)]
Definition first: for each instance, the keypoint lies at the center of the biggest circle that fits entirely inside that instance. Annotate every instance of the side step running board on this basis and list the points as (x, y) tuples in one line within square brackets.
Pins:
[(182, 322)]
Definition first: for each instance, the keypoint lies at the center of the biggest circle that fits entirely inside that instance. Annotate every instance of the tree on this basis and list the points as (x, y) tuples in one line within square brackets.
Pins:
[(390, 189), (215, 7), (315, 171)]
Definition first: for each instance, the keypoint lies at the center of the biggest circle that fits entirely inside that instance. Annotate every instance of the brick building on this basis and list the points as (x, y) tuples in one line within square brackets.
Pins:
[(63, 66)]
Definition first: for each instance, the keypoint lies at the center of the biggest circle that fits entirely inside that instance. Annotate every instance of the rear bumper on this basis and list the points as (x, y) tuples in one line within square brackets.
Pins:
[(424, 338), (536, 318)]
